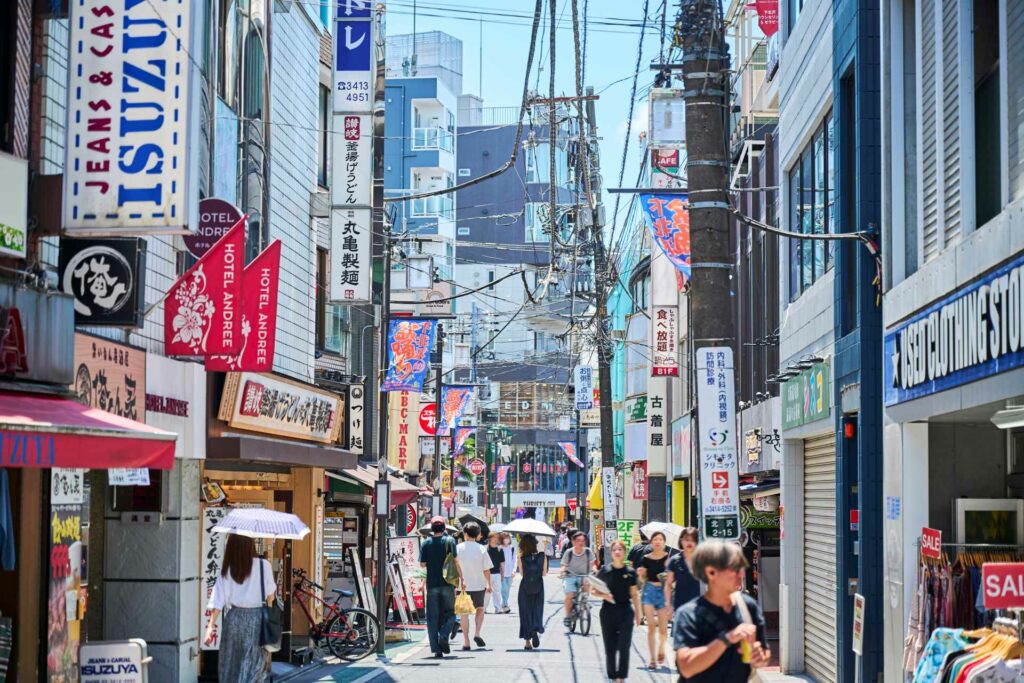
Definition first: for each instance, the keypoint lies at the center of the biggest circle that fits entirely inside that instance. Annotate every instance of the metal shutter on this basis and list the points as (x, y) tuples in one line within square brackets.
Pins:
[(926, 105), (820, 558), (950, 135), (1015, 91)]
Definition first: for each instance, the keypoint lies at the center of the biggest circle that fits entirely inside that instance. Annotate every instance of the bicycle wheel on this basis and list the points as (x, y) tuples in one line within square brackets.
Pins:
[(352, 634), (572, 621), (585, 619)]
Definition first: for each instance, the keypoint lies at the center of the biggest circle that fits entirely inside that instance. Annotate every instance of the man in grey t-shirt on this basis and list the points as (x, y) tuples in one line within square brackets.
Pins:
[(577, 562)]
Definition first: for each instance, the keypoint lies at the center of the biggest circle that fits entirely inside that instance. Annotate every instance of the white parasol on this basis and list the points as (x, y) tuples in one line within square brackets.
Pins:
[(534, 527), (672, 532), (263, 523)]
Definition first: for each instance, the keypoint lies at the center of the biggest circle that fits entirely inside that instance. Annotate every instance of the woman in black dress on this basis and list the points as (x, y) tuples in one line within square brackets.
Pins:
[(619, 611), (533, 566), (680, 580)]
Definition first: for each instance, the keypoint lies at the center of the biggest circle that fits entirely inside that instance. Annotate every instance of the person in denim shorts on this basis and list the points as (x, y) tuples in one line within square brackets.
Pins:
[(577, 560), (651, 570)]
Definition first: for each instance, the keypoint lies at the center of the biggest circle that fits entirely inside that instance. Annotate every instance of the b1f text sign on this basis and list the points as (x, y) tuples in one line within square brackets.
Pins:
[(128, 112)]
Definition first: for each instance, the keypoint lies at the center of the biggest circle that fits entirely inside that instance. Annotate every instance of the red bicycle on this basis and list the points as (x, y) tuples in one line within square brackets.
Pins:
[(349, 634)]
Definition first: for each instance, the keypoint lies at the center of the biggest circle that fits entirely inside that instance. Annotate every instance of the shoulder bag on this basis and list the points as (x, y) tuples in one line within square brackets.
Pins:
[(741, 602), (450, 572), (271, 619)]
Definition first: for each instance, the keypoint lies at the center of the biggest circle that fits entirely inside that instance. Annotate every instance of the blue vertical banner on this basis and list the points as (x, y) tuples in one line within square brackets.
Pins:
[(667, 217), (455, 402), (410, 341)]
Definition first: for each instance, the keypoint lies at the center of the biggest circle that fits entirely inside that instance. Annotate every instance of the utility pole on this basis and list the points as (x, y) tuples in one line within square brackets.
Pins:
[(438, 375), (704, 69), (601, 288)]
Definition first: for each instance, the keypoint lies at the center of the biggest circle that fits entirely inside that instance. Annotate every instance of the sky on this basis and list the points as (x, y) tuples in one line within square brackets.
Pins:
[(613, 38)]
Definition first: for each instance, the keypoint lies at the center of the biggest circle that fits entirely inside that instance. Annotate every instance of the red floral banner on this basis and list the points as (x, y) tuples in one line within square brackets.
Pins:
[(202, 311), (259, 316)]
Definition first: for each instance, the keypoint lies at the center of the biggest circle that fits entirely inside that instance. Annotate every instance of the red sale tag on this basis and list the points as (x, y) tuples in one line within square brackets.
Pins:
[(931, 543), (1003, 585)]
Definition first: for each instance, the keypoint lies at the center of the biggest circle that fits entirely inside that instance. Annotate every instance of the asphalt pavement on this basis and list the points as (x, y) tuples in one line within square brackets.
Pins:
[(562, 657)]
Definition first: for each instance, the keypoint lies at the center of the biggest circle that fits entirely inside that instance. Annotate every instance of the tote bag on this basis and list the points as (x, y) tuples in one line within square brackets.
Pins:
[(271, 620)]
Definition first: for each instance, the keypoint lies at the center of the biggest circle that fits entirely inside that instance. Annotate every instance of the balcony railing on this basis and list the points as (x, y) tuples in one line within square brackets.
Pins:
[(438, 207), (432, 137)]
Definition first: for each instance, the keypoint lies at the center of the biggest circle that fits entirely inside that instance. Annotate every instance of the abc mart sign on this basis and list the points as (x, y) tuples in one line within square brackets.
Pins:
[(129, 167), (976, 332)]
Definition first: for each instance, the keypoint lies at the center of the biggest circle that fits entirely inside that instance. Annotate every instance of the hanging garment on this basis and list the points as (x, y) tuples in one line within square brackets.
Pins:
[(6, 524), (916, 635), (942, 642)]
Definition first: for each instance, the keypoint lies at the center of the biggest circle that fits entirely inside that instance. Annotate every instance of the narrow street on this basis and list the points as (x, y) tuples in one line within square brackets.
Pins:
[(561, 657)]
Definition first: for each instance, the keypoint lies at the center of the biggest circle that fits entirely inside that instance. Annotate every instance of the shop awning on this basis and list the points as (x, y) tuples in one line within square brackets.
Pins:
[(50, 431), (266, 450), (402, 492), (595, 501)]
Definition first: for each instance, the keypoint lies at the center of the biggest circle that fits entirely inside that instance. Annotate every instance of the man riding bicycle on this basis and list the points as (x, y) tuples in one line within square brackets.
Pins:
[(577, 563)]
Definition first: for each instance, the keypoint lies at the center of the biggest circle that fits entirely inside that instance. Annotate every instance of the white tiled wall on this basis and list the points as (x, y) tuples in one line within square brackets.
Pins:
[(294, 76)]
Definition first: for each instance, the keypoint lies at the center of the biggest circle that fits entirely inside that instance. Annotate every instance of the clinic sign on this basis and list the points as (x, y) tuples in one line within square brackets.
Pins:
[(127, 122), (976, 332), (716, 422)]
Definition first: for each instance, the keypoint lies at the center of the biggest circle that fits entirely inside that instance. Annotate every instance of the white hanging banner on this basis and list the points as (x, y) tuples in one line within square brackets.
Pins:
[(608, 493), (716, 419), (584, 375), (127, 121), (352, 160), (351, 262)]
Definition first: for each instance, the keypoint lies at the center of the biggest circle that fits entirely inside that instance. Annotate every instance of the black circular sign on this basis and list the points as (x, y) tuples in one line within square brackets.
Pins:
[(216, 217)]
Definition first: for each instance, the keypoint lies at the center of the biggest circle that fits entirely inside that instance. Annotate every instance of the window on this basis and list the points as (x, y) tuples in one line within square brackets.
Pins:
[(987, 161), (324, 147), (534, 217), (228, 41), (538, 164), (793, 9), (490, 280), (811, 209)]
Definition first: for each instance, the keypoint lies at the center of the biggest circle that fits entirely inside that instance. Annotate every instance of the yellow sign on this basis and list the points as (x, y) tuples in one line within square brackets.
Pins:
[(403, 431), (446, 483), (680, 503)]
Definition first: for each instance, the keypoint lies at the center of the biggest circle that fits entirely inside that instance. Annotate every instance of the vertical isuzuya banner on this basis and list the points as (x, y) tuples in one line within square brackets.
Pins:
[(667, 216), (410, 341)]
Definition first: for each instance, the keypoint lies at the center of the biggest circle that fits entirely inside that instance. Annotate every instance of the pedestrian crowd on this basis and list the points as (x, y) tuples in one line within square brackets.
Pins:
[(718, 632)]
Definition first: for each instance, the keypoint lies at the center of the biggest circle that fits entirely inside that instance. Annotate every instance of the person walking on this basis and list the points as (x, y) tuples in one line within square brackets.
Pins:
[(576, 563), (681, 584), (651, 571), (508, 570), (475, 565), (620, 610), (244, 585), (715, 633), (440, 593), (638, 550), (533, 567), (497, 565)]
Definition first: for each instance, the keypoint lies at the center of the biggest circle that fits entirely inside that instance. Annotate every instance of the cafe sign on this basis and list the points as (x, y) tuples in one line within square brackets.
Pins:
[(274, 405), (805, 398)]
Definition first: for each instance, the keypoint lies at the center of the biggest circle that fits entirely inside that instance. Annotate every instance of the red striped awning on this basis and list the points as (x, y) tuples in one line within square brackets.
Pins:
[(49, 431)]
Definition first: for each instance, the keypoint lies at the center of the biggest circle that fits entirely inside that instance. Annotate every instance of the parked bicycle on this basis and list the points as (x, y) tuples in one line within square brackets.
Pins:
[(349, 634)]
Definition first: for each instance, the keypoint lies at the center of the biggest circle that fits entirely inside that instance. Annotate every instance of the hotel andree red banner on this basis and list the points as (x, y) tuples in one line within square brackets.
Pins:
[(202, 311), (260, 281)]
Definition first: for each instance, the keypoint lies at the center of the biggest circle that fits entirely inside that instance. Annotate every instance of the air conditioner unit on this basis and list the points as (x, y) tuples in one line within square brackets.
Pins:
[(617, 335)]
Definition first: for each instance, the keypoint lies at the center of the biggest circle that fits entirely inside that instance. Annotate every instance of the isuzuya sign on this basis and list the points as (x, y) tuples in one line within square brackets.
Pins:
[(128, 117), (976, 332)]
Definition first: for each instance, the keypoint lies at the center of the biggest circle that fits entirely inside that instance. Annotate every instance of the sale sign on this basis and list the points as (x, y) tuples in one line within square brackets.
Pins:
[(931, 543), (1003, 585), (202, 311)]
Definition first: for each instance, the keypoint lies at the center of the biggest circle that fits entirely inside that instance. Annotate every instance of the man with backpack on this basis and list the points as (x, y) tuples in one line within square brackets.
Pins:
[(438, 557)]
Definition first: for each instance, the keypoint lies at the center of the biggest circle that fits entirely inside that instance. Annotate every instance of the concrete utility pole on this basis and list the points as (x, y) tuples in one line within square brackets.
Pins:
[(705, 64), (601, 288)]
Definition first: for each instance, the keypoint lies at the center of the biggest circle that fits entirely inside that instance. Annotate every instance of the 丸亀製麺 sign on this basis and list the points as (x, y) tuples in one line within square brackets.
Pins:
[(274, 405), (664, 358), (110, 376), (106, 277), (352, 163), (128, 118), (351, 265)]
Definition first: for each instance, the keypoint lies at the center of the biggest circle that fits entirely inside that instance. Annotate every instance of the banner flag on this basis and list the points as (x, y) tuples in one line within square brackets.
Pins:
[(260, 281), (410, 341), (455, 400), (570, 452), (502, 476), (462, 434), (668, 219), (202, 310)]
